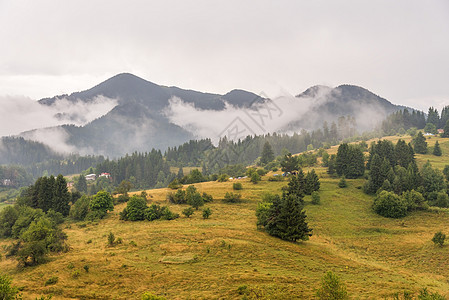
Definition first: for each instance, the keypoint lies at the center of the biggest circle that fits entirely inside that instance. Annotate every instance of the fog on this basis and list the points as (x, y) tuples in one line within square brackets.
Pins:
[(21, 113)]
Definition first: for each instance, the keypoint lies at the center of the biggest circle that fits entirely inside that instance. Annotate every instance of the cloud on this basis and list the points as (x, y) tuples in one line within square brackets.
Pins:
[(235, 123), (21, 114)]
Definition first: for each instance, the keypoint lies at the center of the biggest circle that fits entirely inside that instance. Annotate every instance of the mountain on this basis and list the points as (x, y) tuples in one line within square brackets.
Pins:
[(138, 122), (328, 104)]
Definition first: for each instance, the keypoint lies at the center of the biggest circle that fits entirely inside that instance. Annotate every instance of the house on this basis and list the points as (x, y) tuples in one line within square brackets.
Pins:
[(107, 175), (91, 177), (440, 131), (6, 182)]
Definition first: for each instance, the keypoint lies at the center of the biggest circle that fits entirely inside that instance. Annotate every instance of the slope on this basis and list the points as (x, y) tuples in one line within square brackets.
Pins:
[(227, 257)]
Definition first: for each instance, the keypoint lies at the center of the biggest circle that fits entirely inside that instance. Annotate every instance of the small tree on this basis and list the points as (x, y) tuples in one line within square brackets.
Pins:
[(332, 288), (102, 202), (196, 200), (237, 186), (342, 183), (289, 163), (232, 198), (206, 213), (188, 212), (111, 239), (315, 198), (255, 177), (390, 205), (267, 154), (438, 238), (420, 144), (437, 149), (223, 178)]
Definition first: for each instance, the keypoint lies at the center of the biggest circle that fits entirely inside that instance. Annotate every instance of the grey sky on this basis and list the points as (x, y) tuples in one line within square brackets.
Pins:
[(397, 49)]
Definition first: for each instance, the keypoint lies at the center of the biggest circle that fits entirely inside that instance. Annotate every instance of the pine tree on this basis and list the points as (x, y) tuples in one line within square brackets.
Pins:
[(180, 172), (312, 182), (445, 134), (289, 163), (81, 184), (287, 219), (433, 117), (342, 159), (61, 196), (437, 149), (267, 154), (420, 143), (297, 185)]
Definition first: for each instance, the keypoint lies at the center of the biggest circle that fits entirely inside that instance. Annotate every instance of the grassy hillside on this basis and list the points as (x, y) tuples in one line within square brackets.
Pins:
[(206, 259)]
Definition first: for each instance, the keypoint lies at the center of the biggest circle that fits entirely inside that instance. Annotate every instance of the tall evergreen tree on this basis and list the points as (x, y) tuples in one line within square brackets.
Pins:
[(312, 182), (420, 143), (267, 153), (403, 153), (445, 134), (342, 159), (437, 149), (433, 117), (287, 219), (81, 184), (297, 185), (61, 196), (289, 163)]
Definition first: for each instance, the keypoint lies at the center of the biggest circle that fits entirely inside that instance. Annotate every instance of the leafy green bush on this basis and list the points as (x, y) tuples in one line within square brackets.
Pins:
[(232, 198), (237, 186), (51, 280), (331, 288), (188, 212), (255, 177), (207, 198), (206, 213), (175, 184), (390, 205), (8, 292), (135, 209), (438, 238), (223, 178), (342, 183)]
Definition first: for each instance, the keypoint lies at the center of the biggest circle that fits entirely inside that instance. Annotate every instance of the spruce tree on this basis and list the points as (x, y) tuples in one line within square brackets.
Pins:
[(297, 185), (61, 196), (267, 154), (437, 149), (312, 182), (289, 163), (342, 159), (287, 219), (445, 134), (81, 184), (420, 143)]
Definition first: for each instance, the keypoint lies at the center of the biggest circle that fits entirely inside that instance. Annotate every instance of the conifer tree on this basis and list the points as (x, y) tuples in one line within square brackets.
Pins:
[(437, 149), (445, 134), (287, 219), (312, 182), (296, 186), (81, 184), (61, 197), (289, 163), (420, 143), (267, 154)]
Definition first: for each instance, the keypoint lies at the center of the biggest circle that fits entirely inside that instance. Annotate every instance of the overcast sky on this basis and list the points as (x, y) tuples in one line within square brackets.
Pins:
[(397, 49)]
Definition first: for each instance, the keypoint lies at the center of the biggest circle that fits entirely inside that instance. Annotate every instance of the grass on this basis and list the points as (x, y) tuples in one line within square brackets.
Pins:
[(211, 259)]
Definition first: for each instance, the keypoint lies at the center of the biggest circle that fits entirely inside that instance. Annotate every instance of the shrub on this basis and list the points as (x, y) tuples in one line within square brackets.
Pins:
[(51, 280), (206, 213), (80, 209), (196, 200), (342, 183), (331, 288), (175, 184), (111, 239), (262, 172), (438, 238), (315, 198), (86, 268), (276, 178), (223, 178), (207, 198), (177, 198), (237, 186), (76, 274), (7, 291), (255, 177), (232, 198), (390, 205), (135, 209), (150, 296), (424, 294), (188, 212), (167, 214), (103, 202), (122, 198)]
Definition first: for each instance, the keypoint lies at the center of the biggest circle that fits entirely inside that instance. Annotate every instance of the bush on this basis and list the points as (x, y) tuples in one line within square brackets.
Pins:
[(342, 183), (196, 200), (135, 209), (206, 213), (111, 239), (51, 280), (315, 198), (102, 202), (188, 212), (207, 198), (232, 198), (167, 214), (331, 288), (438, 238), (150, 296), (223, 178), (262, 172), (177, 198), (390, 205), (7, 291), (276, 178), (122, 198), (80, 209), (255, 177), (237, 186), (175, 184)]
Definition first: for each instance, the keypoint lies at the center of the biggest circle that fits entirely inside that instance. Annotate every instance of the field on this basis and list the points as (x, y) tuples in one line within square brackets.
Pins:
[(193, 258)]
